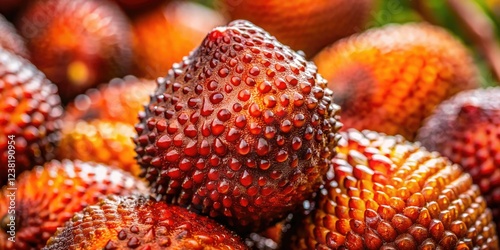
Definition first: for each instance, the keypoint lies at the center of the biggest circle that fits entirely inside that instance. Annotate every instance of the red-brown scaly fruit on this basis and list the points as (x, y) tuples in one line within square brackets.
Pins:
[(10, 40), (182, 26), (119, 101), (77, 43), (384, 192), (99, 141), (389, 79), (48, 196), (30, 116), (141, 223), (466, 129), (303, 24), (241, 130)]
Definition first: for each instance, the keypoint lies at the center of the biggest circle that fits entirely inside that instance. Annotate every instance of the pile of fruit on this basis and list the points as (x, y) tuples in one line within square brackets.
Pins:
[(151, 124)]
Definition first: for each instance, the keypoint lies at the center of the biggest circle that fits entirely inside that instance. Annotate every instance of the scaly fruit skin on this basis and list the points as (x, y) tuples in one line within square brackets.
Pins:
[(466, 129), (383, 192), (183, 26), (30, 110), (119, 101), (241, 130), (389, 79), (77, 43), (133, 222), (302, 24), (99, 141), (10, 39), (48, 196)]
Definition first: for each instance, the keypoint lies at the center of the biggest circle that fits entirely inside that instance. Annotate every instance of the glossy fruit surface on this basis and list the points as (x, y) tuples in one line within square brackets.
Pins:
[(30, 116), (77, 43), (241, 130), (466, 129), (48, 196), (383, 192), (302, 24), (389, 79), (119, 101), (99, 141), (141, 223), (182, 26)]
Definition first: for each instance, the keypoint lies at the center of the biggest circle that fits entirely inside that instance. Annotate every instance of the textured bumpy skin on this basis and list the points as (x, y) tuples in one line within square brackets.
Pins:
[(119, 101), (30, 110), (466, 129), (77, 43), (389, 79), (141, 223), (182, 26), (47, 197), (241, 130), (302, 24), (383, 192), (99, 141), (10, 40)]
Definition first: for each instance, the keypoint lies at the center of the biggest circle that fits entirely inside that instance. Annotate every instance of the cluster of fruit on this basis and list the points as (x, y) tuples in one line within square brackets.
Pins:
[(307, 133)]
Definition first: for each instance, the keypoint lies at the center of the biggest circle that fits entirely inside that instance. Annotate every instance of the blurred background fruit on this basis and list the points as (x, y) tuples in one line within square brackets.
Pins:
[(466, 129), (100, 141), (121, 101), (134, 7), (77, 43), (48, 196), (389, 79), (30, 113), (10, 7), (140, 223), (182, 26), (383, 192), (10, 40), (302, 24)]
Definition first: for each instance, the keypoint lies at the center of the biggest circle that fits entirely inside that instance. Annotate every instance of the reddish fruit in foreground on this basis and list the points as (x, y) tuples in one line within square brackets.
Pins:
[(30, 113), (390, 79), (303, 24), (10, 40), (466, 129), (141, 223), (119, 101), (48, 196), (241, 130), (383, 192), (77, 43)]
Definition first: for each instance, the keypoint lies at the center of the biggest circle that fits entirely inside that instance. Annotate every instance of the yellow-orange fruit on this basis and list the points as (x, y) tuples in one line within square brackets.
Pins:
[(140, 223), (30, 116), (302, 24), (383, 192), (43, 199), (77, 43), (466, 129), (10, 40), (99, 141), (389, 79), (165, 35), (121, 100)]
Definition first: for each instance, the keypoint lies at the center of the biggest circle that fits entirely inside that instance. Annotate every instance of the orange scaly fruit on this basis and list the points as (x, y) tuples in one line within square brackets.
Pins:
[(466, 129), (99, 141), (10, 40), (166, 34), (120, 101), (383, 192), (77, 43), (241, 130), (48, 196), (302, 24), (389, 79), (30, 116), (140, 223)]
